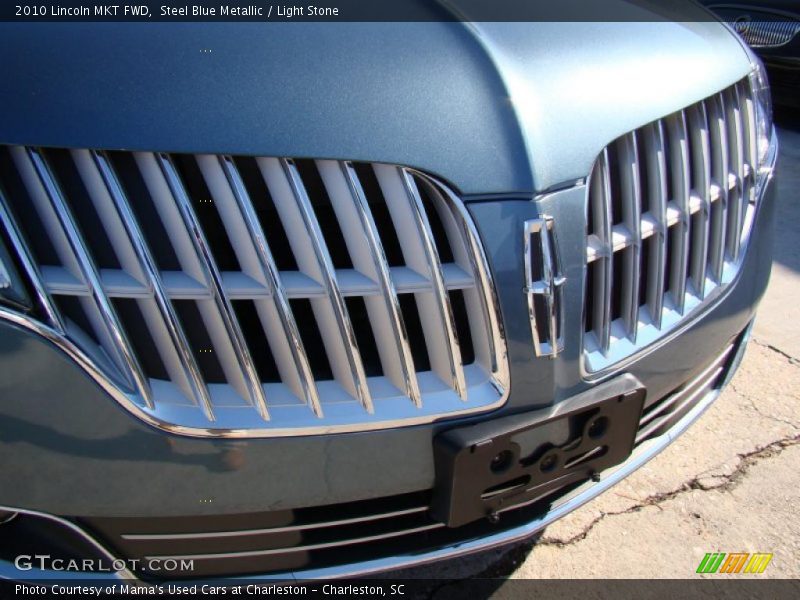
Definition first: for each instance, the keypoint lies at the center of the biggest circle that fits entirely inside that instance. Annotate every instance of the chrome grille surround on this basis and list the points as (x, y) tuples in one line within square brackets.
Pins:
[(670, 207), (245, 404)]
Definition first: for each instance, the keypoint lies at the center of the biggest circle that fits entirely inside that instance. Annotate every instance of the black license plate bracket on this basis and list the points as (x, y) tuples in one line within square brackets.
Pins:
[(489, 467)]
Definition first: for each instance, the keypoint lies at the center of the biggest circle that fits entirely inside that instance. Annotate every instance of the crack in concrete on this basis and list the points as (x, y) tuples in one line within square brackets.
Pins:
[(792, 360), (727, 482), (750, 400), (765, 415)]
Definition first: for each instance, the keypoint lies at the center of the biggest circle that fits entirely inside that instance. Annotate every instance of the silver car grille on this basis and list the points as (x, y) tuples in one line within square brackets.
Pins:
[(768, 33), (220, 295), (670, 206)]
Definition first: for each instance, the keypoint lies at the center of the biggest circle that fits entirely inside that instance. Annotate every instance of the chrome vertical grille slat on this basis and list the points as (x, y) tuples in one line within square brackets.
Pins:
[(193, 382), (692, 218), (213, 278), (32, 270), (485, 320), (735, 126), (328, 273), (718, 133), (751, 145), (368, 256), (681, 190), (601, 227), (631, 193), (656, 164), (701, 196)]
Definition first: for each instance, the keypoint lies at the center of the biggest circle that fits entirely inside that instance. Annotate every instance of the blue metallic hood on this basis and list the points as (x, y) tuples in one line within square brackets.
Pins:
[(494, 108), (577, 86)]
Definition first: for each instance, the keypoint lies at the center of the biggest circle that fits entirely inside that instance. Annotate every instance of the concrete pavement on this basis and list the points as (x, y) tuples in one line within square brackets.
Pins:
[(778, 320)]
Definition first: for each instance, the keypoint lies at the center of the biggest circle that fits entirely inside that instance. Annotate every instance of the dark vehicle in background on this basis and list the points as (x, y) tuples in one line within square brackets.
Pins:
[(772, 29)]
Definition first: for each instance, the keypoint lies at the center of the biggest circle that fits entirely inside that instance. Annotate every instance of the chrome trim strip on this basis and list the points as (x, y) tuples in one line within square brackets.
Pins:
[(133, 371), (388, 290), (271, 530), (31, 268), (666, 406), (214, 278), (306, 548), (655, 151), (331, 283), (458, 383), (272, 275), (148, 265)]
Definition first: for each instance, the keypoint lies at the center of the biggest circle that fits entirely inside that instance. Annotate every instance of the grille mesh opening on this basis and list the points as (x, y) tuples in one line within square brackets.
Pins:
[(669, 175), (435, 221), (70, 307), (250, 322), (206, 210), (199, 340), (416, 335), (616, 297), (380, 214), (268, 217), (328, 223), (17, 195), (364, 336), (82, 209), (139, 334), (673, 237), (145, 211), (312, 339), (645, 258), (616, 191), (463, 332), (589, 294)]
